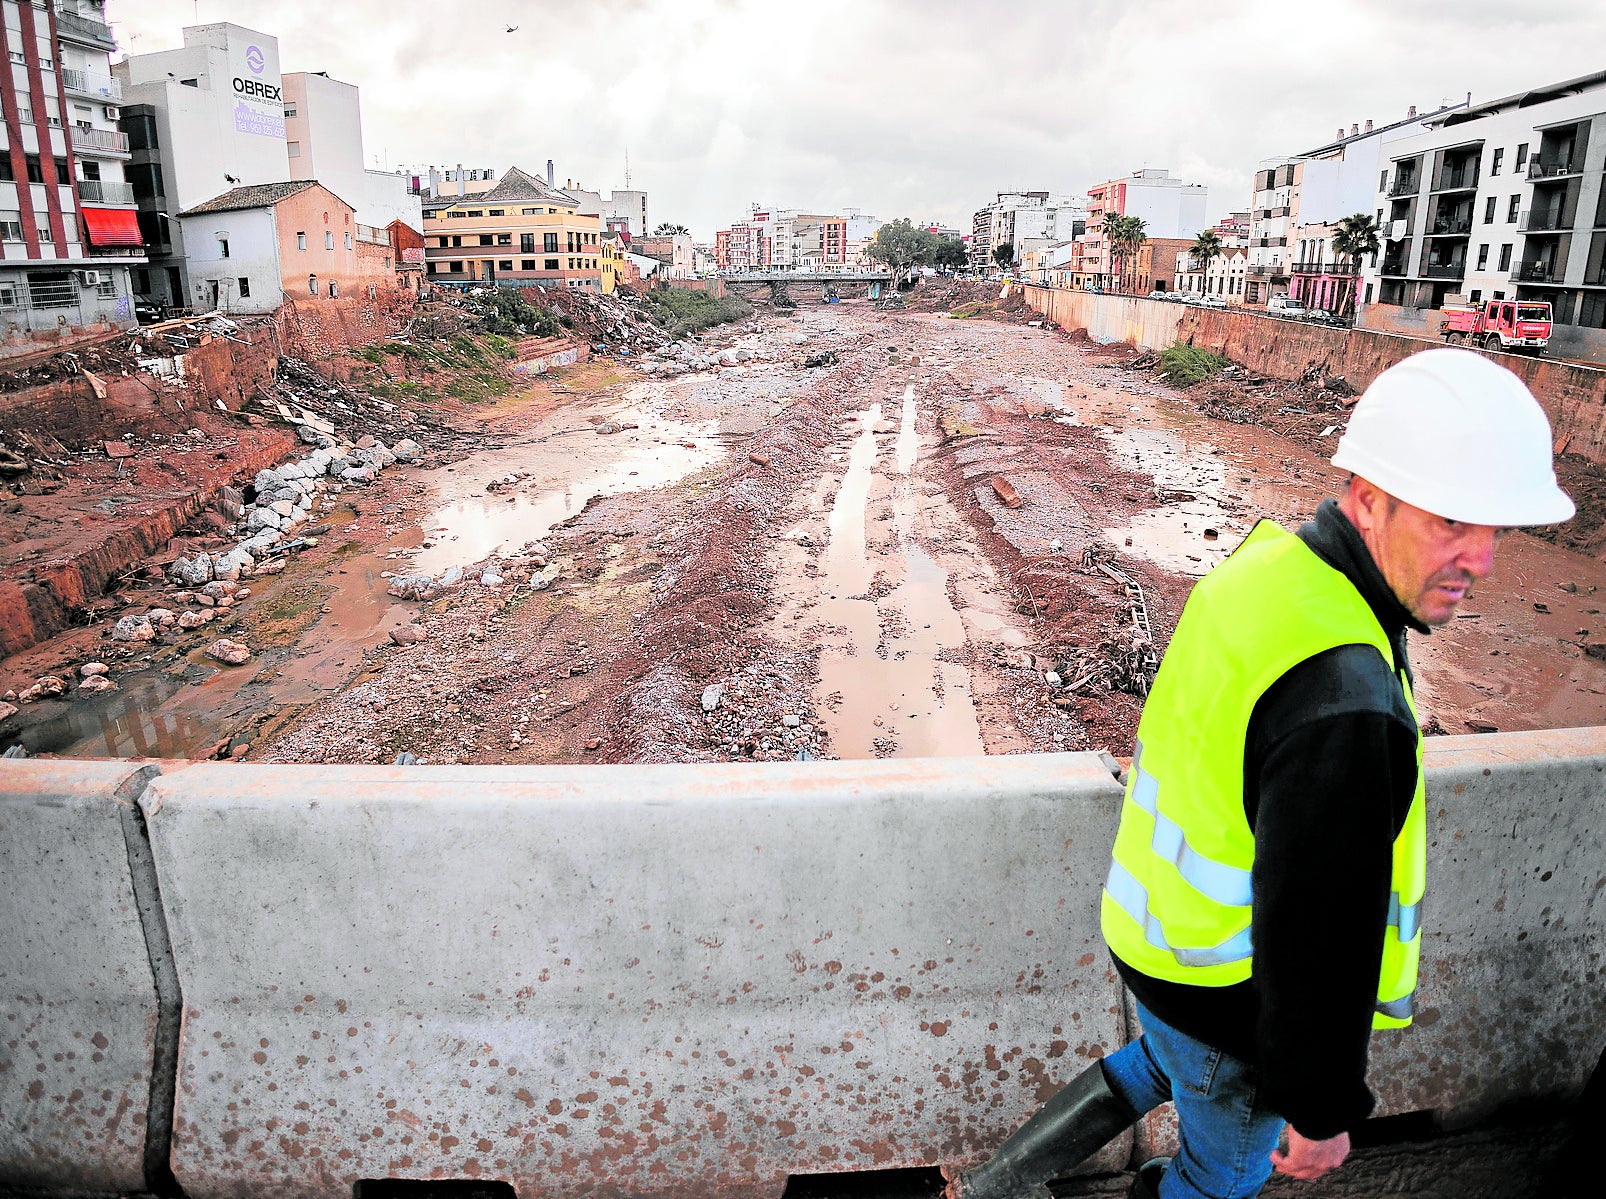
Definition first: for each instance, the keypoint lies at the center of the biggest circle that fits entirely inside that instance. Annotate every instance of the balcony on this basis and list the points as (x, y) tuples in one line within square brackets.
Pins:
[(1451, 227), (107, 141), (1444, 270), (1271, 271), (1538, 169), (1393, 267), (1265, 242), (1338, 269), (1538, 272), (1465, 179), (105, 191), (1266, 214), (97, 87), (1406, 185), (1541, 221), (88, 30)]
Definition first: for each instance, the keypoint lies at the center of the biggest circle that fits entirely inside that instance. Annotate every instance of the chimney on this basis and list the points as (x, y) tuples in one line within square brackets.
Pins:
[(1410, 113), (1340, 136), (1354, 130), (460, 190), (549, 175), (1368, 127)]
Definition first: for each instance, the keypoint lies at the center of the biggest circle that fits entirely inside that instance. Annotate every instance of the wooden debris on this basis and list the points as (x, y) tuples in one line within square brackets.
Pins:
[(1006, 492)]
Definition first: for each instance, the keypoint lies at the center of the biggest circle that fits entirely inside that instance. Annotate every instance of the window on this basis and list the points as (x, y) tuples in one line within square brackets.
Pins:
[(63, 171), (348, 241), (526, 243), (455, 215), (328, 240), (1505, 257), (551, 263), (292, 149), (10, 226), (1494, 167), (457, 242), (549, 243), (6, 173), (1476, 294), (457, 268), (504, 239), (106, 289), (289, 112), (1511, 212), (301, 241), (36, 173), (190, 82), (312, 285), (1488, 210), (1522, 156), (485, 239), (91, 170), (531, 212), (495, 212), (504, 264), (526, 264), (141, 131), (1483, 257), (442, 243), (8, 295), (222, 247), (245, 287), (475, 212)]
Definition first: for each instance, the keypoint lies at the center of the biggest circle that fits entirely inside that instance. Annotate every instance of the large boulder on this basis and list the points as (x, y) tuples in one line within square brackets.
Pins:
[(192, 572), (407, 450), (413, 587), (267, 481), (262, 518), (230, 653), (134, 628), (232, 565)]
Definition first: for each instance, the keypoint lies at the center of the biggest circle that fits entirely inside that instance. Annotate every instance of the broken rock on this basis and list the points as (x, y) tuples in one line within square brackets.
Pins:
[(230, 653), (192, 572), (133, 628), (95, 684)]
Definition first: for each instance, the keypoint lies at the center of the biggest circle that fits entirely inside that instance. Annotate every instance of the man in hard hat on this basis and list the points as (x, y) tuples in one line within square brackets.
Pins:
[(1264, 904)]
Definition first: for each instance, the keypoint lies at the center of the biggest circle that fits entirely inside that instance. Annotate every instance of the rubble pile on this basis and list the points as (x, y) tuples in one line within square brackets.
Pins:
[(683, 357)]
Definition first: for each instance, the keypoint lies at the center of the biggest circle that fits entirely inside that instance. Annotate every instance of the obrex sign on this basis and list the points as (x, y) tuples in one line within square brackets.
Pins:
[(263, 91)]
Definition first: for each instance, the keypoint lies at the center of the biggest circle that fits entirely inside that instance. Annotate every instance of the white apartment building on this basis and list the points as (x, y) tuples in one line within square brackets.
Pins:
[(622, 210), (1297, 196), (1504, 199), (323, 141), (1015, 216), (203, 119)]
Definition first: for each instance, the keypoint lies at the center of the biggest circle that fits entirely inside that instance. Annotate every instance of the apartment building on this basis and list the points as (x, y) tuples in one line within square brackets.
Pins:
[(623, 210), (1225, 274), (1295, 200), (673, 250), (1496, 200), (432, 182), (520, 231), (1014, 217), (1170, 209), (323, 141), (68, 230)]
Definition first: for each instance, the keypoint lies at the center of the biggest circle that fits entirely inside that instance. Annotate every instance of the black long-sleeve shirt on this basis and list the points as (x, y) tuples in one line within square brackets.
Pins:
[(1329, 774)]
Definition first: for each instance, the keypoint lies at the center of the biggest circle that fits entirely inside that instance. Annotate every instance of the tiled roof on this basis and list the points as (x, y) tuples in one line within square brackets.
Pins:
[(517, 185), (252, 195)]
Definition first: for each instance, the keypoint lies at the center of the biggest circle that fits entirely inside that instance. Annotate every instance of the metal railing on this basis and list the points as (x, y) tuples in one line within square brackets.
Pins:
[(1451, 228), (1538, 221), (52, 293), (1326, 268), (105, 191), (101, 86), (1406, 186), (99, 139), (1538, 169), (1269, 241), (1539, 272), (1462, 180), (1444, 270), (81, 28)]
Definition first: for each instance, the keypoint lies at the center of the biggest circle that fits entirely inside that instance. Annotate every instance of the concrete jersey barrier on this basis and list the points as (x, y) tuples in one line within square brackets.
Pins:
[(78, 1004), (677, 980)]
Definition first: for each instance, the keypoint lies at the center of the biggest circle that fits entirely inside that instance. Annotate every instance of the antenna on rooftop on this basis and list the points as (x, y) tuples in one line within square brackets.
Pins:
[(627, 168)]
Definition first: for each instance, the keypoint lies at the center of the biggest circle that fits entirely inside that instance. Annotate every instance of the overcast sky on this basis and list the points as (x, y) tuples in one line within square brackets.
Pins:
[(922, 109)]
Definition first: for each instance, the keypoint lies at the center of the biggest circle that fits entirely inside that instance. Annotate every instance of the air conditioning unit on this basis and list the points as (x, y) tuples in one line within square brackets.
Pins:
[(89, 278), (112, 112)]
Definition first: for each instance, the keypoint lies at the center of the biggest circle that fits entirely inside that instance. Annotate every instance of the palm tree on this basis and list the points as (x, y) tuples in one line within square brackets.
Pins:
[(667, 229), (1204, 250), (1353, 238), (1126, 235)]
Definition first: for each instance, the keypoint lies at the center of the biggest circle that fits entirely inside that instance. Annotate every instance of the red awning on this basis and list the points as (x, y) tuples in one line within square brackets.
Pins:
[(112, 227)]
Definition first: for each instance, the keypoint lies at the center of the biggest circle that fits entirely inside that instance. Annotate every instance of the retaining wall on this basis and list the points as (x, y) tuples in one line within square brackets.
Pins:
[(1573, 396), (679, 981)]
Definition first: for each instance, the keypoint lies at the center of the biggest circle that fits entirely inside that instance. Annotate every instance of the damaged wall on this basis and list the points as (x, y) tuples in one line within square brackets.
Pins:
[(656, 981), (1573, 396)]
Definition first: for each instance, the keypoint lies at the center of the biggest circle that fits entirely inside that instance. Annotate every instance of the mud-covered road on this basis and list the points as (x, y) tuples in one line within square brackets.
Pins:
[(772, 561)]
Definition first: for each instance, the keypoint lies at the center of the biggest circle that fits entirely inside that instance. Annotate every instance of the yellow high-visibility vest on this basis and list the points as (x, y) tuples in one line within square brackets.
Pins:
[(1176, 905)]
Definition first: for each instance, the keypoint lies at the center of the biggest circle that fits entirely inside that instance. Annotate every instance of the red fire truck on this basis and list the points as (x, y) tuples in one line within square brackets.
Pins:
[(1516, 326)]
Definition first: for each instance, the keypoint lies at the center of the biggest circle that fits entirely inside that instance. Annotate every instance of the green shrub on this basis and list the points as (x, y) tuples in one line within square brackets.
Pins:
[(503, 346), (683, 311), (1184, 365), (514, 315)]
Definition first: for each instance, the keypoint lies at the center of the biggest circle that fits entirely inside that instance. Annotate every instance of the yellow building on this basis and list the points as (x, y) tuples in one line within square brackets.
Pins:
[(521, 229), (609, 261)]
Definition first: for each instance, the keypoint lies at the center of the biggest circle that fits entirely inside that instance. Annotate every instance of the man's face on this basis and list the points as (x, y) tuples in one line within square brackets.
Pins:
[(1430, 563)]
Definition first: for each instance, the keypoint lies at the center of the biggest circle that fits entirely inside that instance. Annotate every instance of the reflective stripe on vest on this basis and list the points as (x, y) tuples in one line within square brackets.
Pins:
[(1225, 884)]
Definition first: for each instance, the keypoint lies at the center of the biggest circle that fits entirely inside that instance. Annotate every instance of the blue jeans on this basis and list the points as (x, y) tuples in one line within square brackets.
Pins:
[(1225, 1136)]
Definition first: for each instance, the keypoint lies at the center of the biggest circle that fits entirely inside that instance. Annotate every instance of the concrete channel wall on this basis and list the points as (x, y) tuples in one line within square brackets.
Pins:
[(670, 981), (1573, 396)]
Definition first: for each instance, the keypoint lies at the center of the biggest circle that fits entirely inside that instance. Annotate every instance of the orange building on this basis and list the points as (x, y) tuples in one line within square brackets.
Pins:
[(252, 248), (520, 231)]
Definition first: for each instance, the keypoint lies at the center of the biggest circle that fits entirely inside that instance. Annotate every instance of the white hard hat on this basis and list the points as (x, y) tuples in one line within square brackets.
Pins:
[(1454, 434)]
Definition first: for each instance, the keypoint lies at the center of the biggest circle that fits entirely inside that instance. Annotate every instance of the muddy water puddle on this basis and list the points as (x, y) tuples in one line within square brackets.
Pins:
[(886, 686), (554, 479)]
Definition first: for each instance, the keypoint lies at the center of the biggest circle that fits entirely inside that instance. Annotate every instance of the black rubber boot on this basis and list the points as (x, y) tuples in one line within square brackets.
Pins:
[(1146, 1185), (1080, 1120)]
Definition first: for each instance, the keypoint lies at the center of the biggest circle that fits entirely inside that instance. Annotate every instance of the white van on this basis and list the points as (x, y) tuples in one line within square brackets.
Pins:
[(1285, 306)]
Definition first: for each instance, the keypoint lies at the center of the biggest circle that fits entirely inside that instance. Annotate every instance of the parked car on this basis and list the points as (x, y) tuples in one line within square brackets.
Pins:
[(1212, 302), (1285, 306)]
